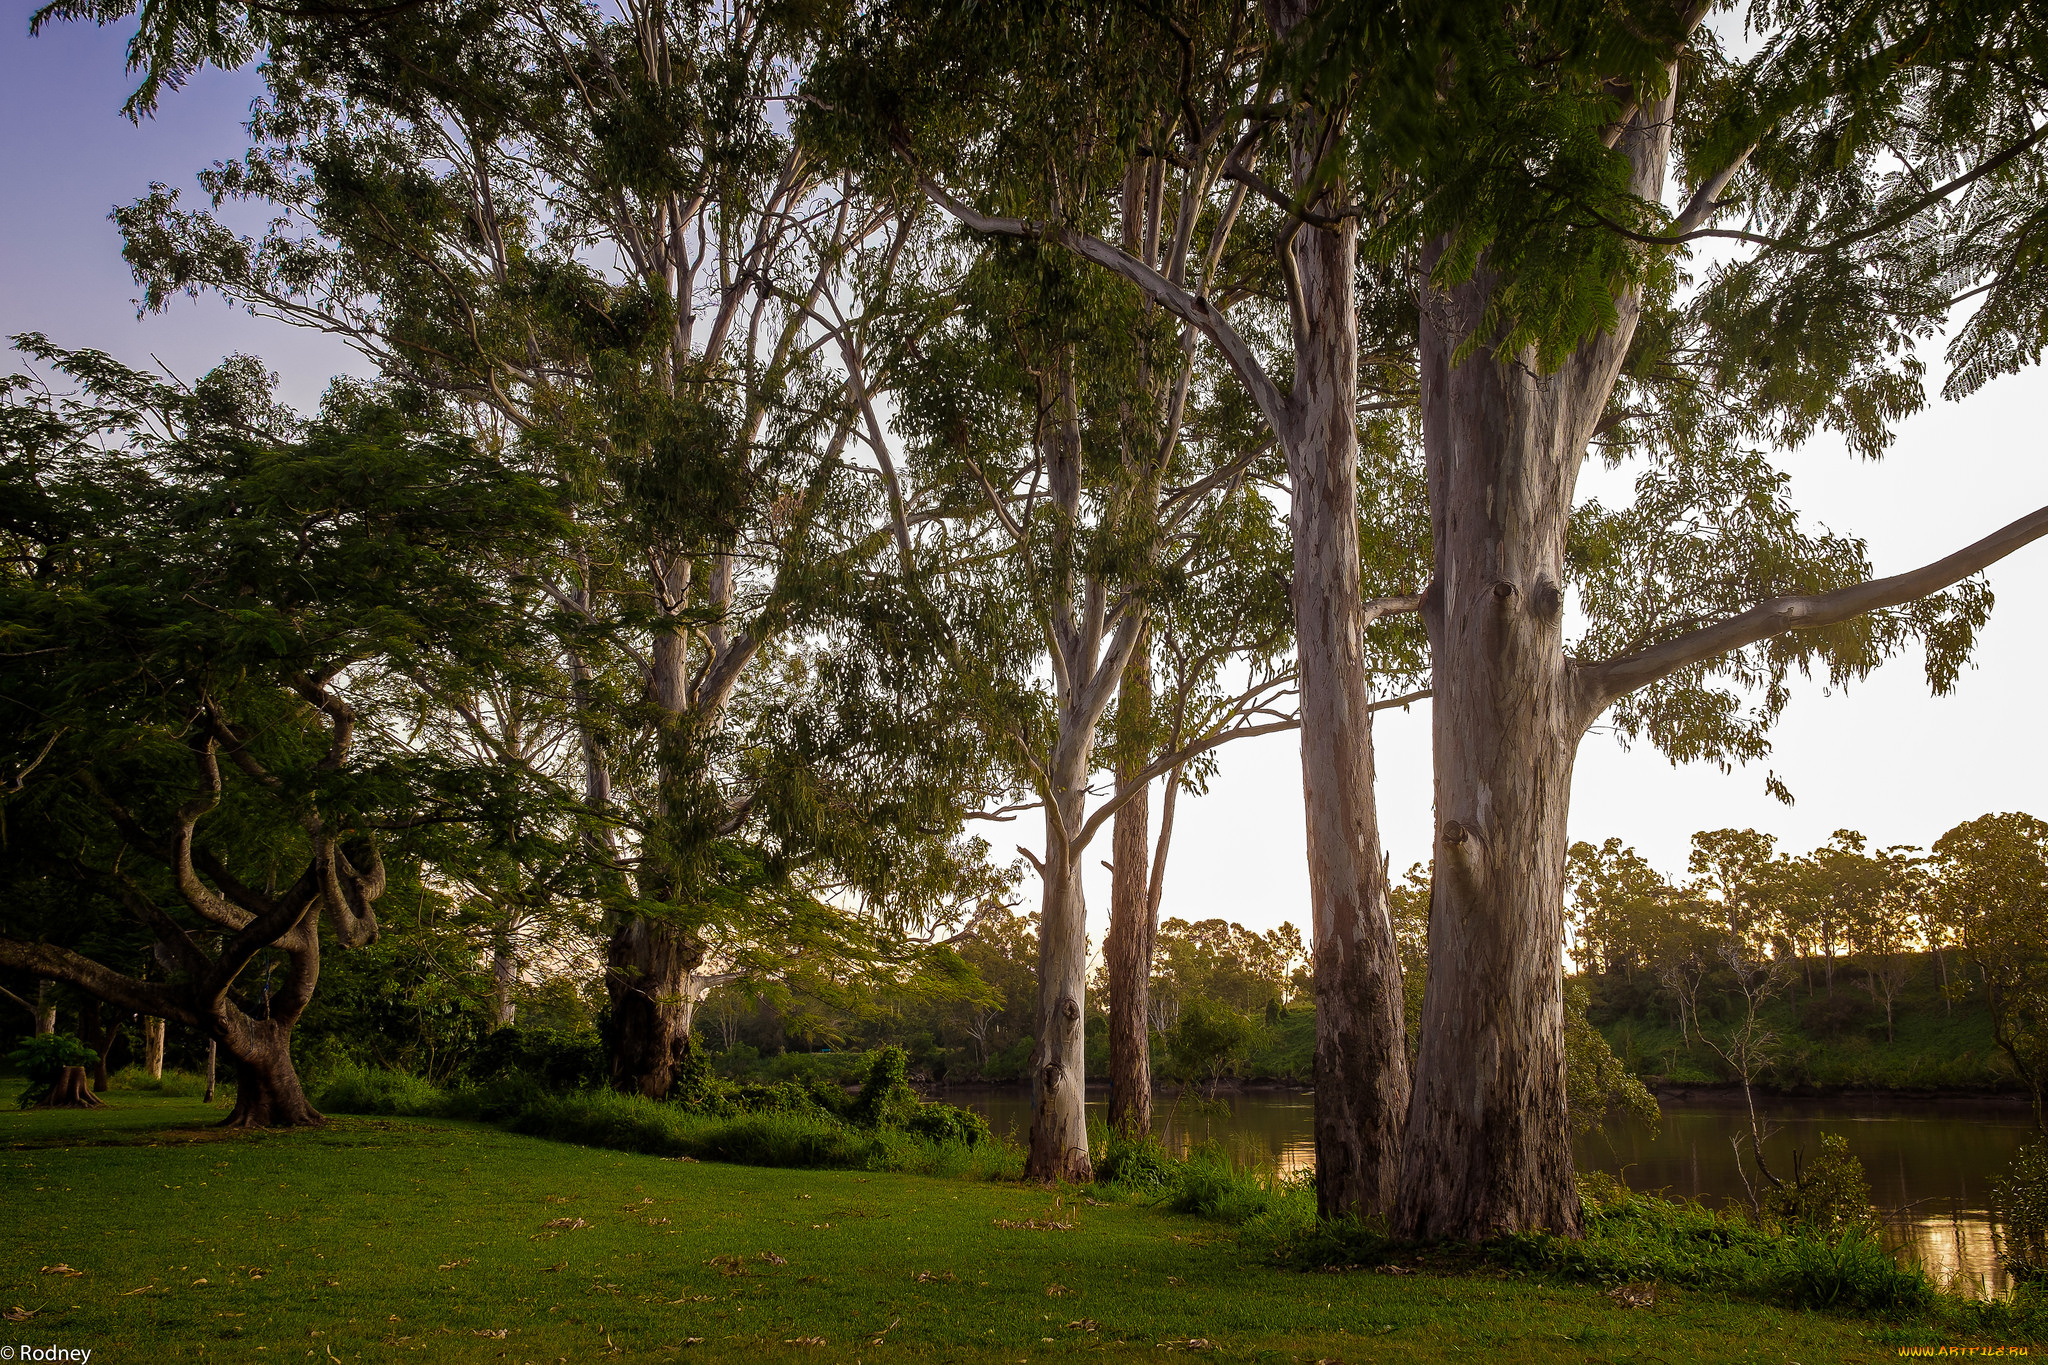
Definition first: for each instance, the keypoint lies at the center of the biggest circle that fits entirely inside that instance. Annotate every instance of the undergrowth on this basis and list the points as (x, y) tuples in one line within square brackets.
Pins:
[(882, 1128)]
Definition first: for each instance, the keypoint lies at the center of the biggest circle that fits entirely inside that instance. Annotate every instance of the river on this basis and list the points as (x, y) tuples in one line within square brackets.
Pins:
[(1930, 1162)]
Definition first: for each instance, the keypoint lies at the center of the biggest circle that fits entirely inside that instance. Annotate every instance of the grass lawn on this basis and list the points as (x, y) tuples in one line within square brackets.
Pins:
[(393, 1239)]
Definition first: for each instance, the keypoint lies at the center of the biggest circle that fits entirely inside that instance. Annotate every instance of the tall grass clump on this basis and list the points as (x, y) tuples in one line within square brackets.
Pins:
[(884, 1128), (179, 1085), (1210, 1182)]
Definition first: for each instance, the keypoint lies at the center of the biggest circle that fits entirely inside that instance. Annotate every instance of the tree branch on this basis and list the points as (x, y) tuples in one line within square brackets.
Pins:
[(1603, 683), (1189, 308)]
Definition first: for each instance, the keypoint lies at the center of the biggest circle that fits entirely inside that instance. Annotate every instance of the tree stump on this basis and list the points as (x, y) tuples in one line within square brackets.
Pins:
[(72, 1092)]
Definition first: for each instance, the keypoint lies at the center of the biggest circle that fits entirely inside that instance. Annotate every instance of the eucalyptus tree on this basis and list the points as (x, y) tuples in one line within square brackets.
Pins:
[(978, 110), (198, 588), (1554, 163), (597, 224)]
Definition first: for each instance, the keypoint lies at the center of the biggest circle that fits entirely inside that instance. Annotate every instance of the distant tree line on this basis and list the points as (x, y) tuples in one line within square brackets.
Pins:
[(1970, 914)]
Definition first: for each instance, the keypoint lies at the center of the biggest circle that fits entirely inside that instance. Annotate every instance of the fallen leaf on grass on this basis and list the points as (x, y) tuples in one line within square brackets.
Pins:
[(927, 1277), (1084, 1325), (693, 1341), (144, 1290), (803, 1341), (1634, 1295), (456, 1265), (656, 1222), (558, 1265), (61, 1269), (692, 1160), (495, 1333), (1393, 1270), (771, 1258), (201, 1280), (1175, 1280), (696, 1298), (1032, 1225), (255, 1274), (1057, 1291), (1189, 1344), (19, 1314), (567, 1224)]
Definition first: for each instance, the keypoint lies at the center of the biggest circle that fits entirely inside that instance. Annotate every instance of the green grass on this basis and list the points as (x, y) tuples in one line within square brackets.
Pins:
[(390, 1238)]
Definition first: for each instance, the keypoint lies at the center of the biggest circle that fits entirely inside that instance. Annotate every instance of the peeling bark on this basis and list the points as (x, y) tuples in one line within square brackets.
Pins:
[(648, 966), (1133, 928), (1488, 1148)]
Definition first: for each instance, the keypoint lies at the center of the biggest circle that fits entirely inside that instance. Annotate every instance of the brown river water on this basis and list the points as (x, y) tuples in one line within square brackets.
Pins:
[(1930, 1162)]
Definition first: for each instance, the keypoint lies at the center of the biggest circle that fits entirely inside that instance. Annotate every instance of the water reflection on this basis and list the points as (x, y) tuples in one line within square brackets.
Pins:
[(1930, 1163)]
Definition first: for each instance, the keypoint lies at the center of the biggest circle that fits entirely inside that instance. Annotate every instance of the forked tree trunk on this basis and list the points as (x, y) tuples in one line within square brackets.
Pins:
[(1127, 951), (647, 973), (1487, 1148), (267, 1090), (1361, 1062)]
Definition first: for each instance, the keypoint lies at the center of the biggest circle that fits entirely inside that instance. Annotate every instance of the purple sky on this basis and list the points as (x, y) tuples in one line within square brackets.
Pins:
[(1884, 759), (69, 157)]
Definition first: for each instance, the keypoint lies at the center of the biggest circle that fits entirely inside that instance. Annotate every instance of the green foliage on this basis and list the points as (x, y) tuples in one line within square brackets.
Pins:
[(885, 1098), (42, 1059), (2020, 1201), (754, 1125), (1210, 1037), (1598, 1085), (556, 1060), (1632, 1238), (1827, 1198)]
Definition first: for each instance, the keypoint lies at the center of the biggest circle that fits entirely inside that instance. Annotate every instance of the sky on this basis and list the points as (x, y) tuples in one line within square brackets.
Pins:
[(1881, 757)]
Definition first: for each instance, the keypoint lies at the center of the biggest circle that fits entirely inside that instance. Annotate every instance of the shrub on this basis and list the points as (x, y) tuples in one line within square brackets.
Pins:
[(42, 1059), (1828, 1198), (1135, 1163), (558, 1060), (1851, 1271), (184, 1085), (376, 1090), (885, 1098), (2020, 1198)]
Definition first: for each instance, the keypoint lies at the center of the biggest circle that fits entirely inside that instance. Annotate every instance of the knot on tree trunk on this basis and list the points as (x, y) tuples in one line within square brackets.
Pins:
[(1465, 851)]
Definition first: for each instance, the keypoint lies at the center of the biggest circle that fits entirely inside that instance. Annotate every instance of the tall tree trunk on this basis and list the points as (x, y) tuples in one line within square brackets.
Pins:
[(46, 1010), (212, 1065), (504, 977), (647, 973), (1059, 1064), (153, 1047), (1487, 1148), (267, 1090), (1127, 952), (1361, 1062)]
